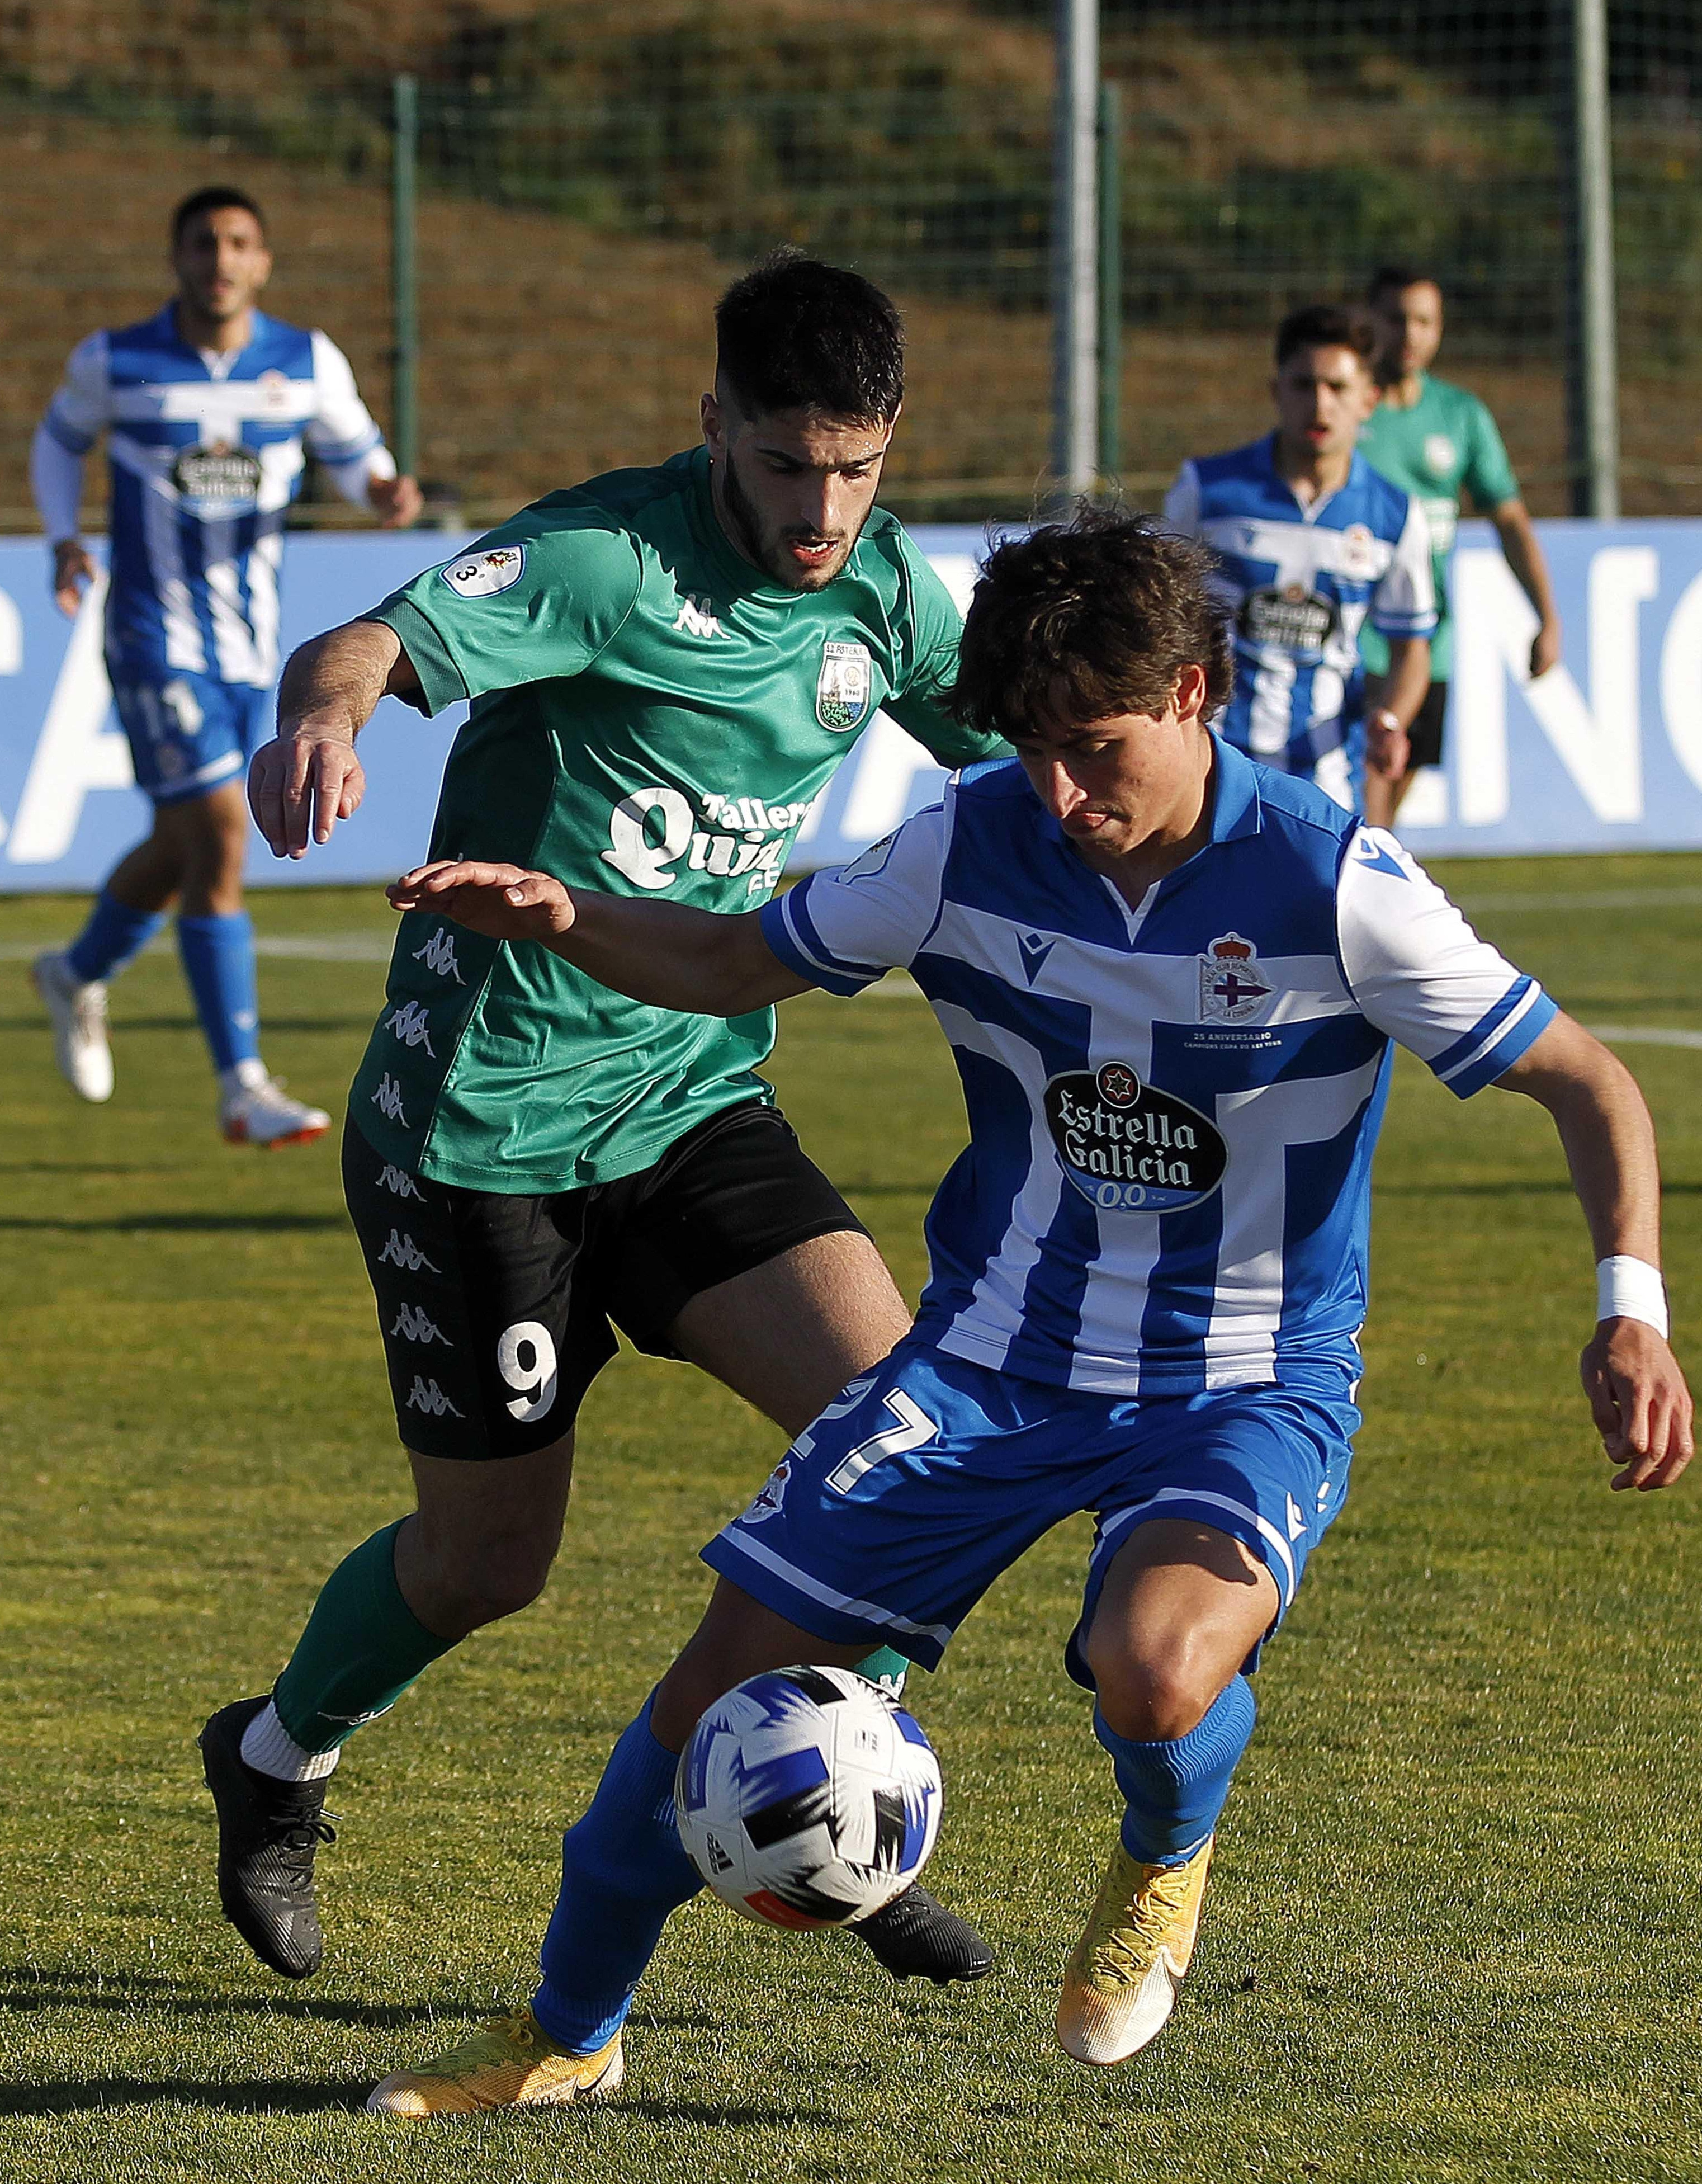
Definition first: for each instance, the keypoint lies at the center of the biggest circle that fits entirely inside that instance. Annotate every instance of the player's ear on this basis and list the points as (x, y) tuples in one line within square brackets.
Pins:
[(710, 417), (1189, 696)]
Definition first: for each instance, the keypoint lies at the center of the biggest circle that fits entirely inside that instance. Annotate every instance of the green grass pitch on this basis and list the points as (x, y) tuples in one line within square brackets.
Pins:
[(1453, 1931)]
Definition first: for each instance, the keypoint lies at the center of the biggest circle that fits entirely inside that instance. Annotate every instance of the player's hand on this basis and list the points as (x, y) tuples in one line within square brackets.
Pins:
[(1545, 649), (502, 901), (1642, 1408), (397, 502), (1388, 750), (72, 570), (301, 785)]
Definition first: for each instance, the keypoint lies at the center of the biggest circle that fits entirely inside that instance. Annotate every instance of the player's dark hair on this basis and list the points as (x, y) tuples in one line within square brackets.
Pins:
[(219, 198), (797, 334), (1398, 277), (1324, 325), (1081, 620)]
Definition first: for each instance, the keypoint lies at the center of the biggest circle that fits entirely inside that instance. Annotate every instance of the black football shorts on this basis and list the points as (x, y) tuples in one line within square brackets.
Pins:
[(498, 1311), (1424, 735)]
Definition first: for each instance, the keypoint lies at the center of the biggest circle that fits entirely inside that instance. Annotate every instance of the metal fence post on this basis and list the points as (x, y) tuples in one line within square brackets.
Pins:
[(1591, 342), (1110, 449), (1074, 250), (404, 305)]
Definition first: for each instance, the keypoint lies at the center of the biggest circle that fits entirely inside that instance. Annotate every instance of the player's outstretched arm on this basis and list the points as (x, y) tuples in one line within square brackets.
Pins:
[(1637, 1396), (301, 784), (664, 953)]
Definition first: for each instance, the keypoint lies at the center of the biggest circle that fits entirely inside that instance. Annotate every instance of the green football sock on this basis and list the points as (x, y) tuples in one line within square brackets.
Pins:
[(362, 1648), (884, 1666)]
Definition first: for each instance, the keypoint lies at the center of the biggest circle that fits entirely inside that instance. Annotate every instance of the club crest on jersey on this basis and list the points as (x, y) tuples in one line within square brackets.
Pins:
[(478, 575), (1127, 1146), (1359, 551), (844, 686), (1233, 984), (1440, 454)]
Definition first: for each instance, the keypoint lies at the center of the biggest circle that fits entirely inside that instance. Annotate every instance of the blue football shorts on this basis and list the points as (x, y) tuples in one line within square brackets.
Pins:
[(888, 1520), (187, 732)]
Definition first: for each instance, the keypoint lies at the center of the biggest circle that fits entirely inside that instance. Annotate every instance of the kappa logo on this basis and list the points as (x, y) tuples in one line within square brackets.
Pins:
[(412, 1027), (399, 1183), (387, 1099), (1233, 984), (426, 1396), (1035, 948), (438, 954), (403, 1252), (480, 575), (415, 1324), (697, 617), (844, 687)]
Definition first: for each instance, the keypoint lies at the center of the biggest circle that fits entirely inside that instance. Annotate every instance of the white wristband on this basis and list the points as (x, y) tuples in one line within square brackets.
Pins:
[(1631, 1288)]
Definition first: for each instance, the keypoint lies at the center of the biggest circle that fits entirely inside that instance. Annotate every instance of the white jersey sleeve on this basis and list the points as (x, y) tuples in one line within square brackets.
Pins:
[(1418, 972), (1181, 502), (341, 434), (844, 928), (1403, 603), (81, 407)]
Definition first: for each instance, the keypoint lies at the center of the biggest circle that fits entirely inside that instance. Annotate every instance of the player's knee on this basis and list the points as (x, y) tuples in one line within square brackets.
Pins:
[(1148, 1695), (482, 1580)]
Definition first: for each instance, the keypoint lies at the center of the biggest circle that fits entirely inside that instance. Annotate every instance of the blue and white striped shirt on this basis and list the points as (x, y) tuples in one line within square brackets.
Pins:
[(1301, 580), (207, 453), (1172, 1108)]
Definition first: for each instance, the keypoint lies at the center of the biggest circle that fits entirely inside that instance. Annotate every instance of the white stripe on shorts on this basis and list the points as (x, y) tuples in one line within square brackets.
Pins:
[(865, 1611), (1264, 1527)]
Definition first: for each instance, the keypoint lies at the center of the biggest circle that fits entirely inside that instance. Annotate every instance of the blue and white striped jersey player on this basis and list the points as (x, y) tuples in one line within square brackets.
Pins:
[(209, 409), (1311, 541), (1171, 979)]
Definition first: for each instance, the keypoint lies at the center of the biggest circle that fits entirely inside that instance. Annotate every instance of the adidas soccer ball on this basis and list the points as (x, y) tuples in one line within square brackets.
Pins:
[(808, 1797)]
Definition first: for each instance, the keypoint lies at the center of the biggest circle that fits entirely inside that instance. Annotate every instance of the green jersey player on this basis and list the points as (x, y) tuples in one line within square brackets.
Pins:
[(665, 666), (1438, 442)]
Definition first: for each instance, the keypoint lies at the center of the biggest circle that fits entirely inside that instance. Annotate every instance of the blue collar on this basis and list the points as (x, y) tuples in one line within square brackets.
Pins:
[(1235, 807)]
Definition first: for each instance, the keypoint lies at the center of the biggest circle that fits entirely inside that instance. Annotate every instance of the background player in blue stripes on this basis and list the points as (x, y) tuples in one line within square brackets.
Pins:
[(1171, 979), (209, 408), (1311, 542)]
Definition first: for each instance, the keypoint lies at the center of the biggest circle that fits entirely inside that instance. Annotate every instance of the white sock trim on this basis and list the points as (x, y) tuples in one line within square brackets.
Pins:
[(269, 1749)]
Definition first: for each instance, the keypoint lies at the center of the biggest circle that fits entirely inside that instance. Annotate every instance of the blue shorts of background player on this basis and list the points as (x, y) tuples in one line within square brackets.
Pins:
[(928, 1477), (189, 732)]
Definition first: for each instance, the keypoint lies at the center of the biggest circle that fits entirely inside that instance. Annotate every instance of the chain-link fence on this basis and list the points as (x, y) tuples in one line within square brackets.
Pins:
[(590, 178)]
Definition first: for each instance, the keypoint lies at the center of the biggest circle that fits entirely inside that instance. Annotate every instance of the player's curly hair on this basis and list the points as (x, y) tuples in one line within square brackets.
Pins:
[(1083, 620), (798, 334)]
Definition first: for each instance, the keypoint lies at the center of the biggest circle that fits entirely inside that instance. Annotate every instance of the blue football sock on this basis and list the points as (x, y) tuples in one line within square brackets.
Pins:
[(1175, 1789), (114, 935), (219, 962), (622, 1872)]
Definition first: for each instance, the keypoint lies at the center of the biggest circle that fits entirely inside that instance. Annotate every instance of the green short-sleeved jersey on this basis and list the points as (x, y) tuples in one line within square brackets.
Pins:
[(651, 716), (1446, 442)]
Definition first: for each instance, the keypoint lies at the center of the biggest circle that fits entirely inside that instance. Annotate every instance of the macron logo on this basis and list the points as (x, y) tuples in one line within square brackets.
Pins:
[(387, 1099), (403, 1252), (414, 1324), (412, 1027), (398, 1181), (696, 619), (426, 1396), (1035, 952), (438, 954)]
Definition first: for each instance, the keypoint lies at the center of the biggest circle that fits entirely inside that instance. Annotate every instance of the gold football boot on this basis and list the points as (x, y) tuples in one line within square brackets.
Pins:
[(1121, 1980), (511, 2063)]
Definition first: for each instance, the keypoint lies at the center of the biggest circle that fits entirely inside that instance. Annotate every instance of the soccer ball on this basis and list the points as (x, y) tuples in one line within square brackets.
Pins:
[(808, 1797)]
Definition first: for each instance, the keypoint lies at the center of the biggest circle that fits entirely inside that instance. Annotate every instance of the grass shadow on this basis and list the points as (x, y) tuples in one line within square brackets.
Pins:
[(26, 1990), (246, 2097)]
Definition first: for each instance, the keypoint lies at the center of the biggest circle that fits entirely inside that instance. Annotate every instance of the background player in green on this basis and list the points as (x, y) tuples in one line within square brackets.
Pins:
[(1435, 440), (665, 666)]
